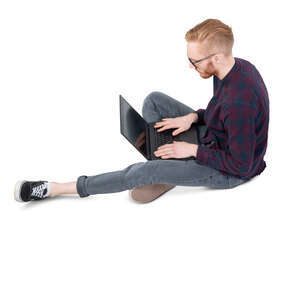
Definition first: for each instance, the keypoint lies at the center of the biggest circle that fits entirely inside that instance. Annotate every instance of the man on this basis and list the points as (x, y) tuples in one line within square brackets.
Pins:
[(233, 127)]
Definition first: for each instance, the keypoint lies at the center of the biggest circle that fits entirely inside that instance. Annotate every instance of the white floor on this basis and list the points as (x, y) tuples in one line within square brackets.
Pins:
[(191, 241)]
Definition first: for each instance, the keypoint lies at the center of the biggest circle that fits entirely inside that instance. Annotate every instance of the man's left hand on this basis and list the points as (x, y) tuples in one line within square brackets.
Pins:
[(176, 150)]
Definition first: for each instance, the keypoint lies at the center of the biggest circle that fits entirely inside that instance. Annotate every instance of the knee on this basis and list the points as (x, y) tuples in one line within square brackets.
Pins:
[(152, 97)]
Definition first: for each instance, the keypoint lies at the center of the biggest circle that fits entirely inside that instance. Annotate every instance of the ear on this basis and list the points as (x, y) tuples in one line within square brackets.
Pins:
[(217, 58)]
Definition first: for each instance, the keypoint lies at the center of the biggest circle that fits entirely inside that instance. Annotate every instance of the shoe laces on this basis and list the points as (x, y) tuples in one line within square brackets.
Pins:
[(38, 191)]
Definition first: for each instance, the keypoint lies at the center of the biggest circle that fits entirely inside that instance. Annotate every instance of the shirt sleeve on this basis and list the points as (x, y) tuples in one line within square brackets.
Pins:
[(200, 112), (237, 158)]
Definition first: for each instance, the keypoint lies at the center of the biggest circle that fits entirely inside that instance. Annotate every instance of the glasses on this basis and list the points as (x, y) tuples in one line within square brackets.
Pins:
[(197, 61)]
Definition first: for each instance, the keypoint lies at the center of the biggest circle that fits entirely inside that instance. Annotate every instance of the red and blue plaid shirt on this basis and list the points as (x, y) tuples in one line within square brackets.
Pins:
[(237, 120)]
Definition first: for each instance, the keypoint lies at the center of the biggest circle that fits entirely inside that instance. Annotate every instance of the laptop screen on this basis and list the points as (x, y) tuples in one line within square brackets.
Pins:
[(133, 126)]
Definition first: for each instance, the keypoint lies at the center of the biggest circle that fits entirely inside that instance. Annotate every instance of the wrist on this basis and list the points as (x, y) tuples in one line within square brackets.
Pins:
[(194, 149), (193, 117)]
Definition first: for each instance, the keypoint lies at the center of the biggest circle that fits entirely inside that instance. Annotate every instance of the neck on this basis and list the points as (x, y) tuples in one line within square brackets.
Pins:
[(227, 66)]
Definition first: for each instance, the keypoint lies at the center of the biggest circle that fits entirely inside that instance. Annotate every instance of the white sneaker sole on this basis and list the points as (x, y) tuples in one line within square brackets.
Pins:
[(17, 191), (149, 192)]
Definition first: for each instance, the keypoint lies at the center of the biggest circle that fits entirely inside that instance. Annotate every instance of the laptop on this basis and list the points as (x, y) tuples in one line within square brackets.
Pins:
[(145, 138)]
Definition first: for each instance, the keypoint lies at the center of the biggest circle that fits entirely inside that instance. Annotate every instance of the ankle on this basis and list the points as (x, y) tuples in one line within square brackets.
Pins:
[(53, 189)]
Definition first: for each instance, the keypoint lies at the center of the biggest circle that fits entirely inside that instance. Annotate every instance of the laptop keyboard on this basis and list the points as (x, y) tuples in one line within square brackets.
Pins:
[(163, 137)]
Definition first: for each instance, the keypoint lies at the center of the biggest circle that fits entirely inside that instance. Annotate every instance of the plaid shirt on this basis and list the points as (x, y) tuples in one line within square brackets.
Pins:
[(237, 120)]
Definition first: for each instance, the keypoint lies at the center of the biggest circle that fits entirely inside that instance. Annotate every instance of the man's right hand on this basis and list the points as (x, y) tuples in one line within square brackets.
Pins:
[(181, 123)]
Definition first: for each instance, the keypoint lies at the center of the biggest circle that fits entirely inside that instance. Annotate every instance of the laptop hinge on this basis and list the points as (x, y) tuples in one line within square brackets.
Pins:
[(148, 142)]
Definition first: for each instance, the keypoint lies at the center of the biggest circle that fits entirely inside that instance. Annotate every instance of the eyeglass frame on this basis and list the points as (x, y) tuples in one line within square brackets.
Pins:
[(197, 61)]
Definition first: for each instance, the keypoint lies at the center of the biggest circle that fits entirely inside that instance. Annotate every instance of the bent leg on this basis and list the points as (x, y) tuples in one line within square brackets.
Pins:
[(158, 105)]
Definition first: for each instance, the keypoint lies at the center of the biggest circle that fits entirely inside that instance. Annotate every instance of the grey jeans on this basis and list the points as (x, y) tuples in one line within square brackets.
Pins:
[(156, 106)]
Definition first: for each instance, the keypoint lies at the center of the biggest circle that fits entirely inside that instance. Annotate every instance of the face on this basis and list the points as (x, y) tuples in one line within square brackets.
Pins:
[(205, 68)]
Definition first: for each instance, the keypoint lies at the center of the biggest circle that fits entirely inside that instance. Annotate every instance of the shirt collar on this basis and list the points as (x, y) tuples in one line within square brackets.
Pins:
[(234, 67)]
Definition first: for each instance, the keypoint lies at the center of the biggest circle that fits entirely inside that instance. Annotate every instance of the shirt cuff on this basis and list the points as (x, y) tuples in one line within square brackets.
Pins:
[(200, 112)]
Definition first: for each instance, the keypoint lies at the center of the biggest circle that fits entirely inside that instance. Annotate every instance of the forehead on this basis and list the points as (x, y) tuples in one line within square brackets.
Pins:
[(195, 50)]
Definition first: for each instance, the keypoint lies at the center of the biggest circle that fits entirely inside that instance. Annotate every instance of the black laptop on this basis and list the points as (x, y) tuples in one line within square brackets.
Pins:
[(145, 138)]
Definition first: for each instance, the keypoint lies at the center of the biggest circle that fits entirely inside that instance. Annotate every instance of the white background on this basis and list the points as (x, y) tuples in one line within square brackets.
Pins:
[(63, 65)]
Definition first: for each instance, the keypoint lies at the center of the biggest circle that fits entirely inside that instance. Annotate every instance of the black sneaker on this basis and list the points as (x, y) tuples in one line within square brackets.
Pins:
[(31, 190)]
